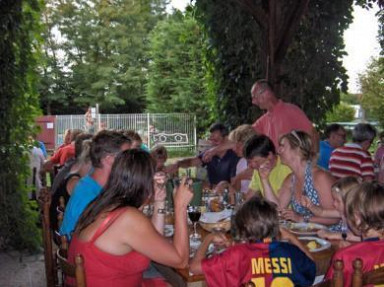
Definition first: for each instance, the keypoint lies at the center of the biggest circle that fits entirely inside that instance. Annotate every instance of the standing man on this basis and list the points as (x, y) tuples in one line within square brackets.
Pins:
[(281, 118), (104, 148), (354, 159), (222, 166), (335, 137)]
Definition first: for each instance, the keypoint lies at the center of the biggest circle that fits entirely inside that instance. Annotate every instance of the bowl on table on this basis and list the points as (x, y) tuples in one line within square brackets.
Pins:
[(211, 221), (222, 225)]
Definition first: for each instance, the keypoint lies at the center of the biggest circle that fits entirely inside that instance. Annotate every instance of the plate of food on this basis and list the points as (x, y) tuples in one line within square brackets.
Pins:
[(315, 244), (302, 228)]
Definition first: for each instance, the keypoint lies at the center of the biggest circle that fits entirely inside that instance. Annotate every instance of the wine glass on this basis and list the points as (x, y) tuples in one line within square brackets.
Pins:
[(194, 213)]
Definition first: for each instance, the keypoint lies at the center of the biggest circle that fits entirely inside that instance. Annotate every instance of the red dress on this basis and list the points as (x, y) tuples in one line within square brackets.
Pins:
[(104, 269)]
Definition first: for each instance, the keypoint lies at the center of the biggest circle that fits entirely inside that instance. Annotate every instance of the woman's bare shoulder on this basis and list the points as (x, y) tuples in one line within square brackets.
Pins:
[(321, 174)]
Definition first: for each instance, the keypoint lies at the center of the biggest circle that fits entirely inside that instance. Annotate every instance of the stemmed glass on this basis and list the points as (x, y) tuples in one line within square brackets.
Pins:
[(194, 213)]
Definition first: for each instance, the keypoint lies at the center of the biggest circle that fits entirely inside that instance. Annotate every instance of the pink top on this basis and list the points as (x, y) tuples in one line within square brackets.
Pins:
[(104, 269), (283, 118)]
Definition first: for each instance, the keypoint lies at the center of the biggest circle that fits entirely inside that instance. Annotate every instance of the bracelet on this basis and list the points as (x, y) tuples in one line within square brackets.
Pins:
[(161, 211)]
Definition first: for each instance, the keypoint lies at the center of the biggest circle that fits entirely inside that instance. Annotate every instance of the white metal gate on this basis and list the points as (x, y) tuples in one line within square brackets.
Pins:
[(175, 131)]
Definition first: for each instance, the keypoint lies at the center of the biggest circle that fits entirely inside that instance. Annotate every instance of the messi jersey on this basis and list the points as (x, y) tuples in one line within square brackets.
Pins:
[(277, 264), (371, 252)]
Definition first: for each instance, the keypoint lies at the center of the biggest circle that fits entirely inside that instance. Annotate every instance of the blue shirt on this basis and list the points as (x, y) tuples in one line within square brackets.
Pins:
[(43, 148), (85, 191), (325, 154), (220, 169)]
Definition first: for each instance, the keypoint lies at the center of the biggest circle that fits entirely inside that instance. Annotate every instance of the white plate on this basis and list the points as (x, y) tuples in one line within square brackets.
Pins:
[(324, 244), (302, 228)]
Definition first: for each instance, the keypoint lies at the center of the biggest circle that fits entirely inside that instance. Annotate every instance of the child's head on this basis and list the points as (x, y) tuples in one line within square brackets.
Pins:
[(340, 189), (257, 219), (364, 208), (160, 155)]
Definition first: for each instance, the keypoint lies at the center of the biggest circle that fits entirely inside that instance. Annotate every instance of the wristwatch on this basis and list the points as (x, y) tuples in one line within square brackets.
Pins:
[(344, 235)]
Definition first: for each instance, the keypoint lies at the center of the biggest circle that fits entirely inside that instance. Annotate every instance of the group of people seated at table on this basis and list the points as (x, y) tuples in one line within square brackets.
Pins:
[(105, 223)]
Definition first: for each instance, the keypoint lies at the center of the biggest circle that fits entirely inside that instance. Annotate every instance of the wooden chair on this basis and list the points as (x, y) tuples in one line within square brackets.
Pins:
[(33, 192), (60, 217), (337, 279), (75, 271), (49, 254), (359, 278)]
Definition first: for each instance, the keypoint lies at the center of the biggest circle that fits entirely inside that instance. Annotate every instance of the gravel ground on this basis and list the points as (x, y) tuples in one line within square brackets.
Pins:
[(21, 270)]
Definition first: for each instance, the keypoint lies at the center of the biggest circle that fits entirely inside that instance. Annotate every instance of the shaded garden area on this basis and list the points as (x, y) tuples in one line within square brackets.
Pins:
[(133, 56)]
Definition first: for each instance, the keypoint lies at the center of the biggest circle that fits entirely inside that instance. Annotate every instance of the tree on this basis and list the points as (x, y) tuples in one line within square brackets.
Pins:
[(105, 47), (275, 39), (372, 87), (176, 76), (18, 101), (341, 113), (56, 93)]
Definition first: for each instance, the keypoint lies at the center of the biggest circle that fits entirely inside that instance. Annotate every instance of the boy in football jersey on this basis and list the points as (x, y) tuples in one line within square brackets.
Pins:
[(261, 258)]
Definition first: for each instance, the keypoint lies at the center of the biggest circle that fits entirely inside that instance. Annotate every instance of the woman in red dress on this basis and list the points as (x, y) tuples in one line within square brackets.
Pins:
[(116, 239)]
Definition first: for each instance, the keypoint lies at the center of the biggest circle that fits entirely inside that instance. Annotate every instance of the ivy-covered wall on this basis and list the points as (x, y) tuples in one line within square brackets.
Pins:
[(18, 101)]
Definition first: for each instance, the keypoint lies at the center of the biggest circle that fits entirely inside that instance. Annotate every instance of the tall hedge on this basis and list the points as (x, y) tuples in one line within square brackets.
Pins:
[(18, 99)]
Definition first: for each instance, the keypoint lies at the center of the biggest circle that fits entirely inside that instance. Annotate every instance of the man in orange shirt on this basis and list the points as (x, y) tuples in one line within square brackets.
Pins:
[(281, 118)]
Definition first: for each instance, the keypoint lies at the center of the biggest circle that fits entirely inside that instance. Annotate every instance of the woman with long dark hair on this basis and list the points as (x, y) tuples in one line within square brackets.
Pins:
[(116, 239)]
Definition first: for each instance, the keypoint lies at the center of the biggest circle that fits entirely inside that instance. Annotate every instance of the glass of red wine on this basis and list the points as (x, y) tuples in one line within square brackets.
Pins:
[(194, 214)]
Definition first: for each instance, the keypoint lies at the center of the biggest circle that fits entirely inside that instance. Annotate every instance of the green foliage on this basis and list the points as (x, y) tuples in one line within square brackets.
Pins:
[(176, 76), (105, 45), (18, 99), (372, 87), (234, 55), (351, 99), (311, 74), (341, 113)]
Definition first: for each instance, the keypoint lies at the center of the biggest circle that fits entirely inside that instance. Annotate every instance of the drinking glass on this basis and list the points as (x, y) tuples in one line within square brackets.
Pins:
[(194, 213)]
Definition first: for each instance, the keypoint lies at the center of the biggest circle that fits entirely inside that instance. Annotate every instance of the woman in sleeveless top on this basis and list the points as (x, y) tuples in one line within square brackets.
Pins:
[(306, 179), (116, 239)]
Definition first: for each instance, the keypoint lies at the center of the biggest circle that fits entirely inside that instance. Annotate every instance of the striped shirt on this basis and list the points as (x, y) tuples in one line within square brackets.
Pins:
[(351, 160)]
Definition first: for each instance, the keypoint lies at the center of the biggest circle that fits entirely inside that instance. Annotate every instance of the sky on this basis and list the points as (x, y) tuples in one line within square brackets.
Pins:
[(360, 42)]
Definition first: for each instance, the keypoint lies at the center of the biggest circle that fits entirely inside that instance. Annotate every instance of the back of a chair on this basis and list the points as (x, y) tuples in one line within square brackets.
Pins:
[(49, 260), (75, 271), (359, 278), (337, 279), (60, 217)]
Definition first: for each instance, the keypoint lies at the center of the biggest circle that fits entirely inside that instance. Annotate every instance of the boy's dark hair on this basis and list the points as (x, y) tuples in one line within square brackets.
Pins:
[(79, 143), (159, 152), (104, 143), (258, 145), (219, 127), (257, 219), (332, 128)]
